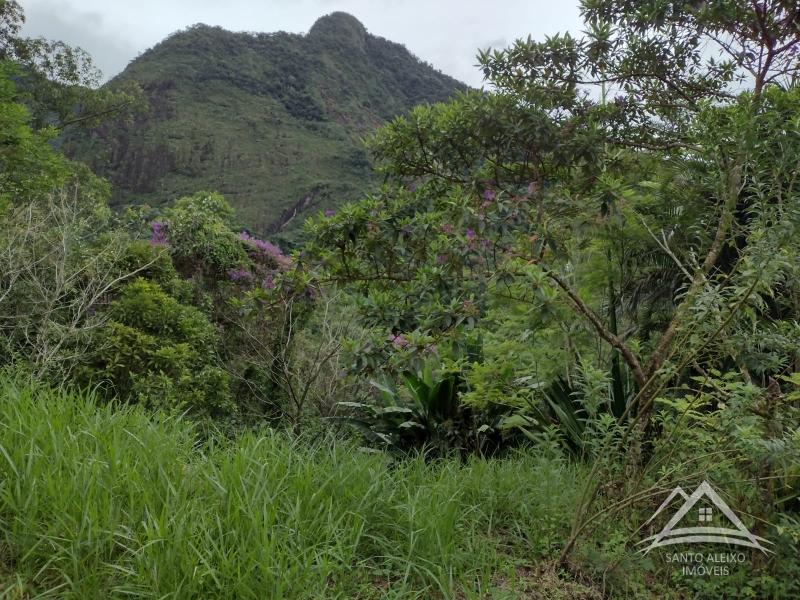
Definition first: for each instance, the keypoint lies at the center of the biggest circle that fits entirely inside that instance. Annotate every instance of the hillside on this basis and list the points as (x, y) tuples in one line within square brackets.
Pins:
[(274, 121)]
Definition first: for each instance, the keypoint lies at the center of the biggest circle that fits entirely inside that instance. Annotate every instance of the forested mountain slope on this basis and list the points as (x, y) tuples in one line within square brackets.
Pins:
[(274, 121)]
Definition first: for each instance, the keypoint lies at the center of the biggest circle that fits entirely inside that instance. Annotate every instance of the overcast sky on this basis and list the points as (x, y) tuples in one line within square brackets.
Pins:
[(445, 33)]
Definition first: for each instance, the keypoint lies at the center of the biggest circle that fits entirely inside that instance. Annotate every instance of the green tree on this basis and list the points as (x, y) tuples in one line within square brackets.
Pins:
[(29, 167), (58, 81), (540, 186), (677, 183)]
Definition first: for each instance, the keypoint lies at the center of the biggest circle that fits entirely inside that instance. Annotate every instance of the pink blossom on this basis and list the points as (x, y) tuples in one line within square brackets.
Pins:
[(399, 341), (239, 275), (266, 250), (159, 233)]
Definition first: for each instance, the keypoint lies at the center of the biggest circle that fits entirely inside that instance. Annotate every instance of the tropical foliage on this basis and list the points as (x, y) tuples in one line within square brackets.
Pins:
[(571, 294)]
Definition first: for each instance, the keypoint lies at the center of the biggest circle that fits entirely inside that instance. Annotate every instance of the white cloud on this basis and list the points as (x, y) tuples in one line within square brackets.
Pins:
[(445, 33)]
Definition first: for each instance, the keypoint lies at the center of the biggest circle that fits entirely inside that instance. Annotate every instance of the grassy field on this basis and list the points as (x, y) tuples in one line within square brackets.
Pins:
[(98, 502)]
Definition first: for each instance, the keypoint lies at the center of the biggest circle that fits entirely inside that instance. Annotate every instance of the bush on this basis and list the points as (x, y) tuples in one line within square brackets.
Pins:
[(198, 229), (157, 351), (150, 262)]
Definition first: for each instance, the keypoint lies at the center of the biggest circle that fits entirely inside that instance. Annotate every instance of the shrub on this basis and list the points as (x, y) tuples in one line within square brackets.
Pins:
[(198, 231), (159, 352)]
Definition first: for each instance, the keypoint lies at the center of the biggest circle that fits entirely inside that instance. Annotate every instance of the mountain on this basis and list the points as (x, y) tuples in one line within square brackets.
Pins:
[(273, 121)]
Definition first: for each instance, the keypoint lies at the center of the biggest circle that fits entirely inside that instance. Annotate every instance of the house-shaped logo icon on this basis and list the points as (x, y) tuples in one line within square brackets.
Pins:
[(737, 535)]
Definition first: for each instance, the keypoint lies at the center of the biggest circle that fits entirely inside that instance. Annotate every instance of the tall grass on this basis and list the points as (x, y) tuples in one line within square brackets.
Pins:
[(99, 501)]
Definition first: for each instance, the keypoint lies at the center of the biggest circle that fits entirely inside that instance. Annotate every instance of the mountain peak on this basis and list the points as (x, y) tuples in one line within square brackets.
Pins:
[(272, 120), (339, 24)]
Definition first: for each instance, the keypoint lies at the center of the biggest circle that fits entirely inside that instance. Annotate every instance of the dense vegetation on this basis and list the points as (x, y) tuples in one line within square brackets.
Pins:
[(272, 121), (570, 295)]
